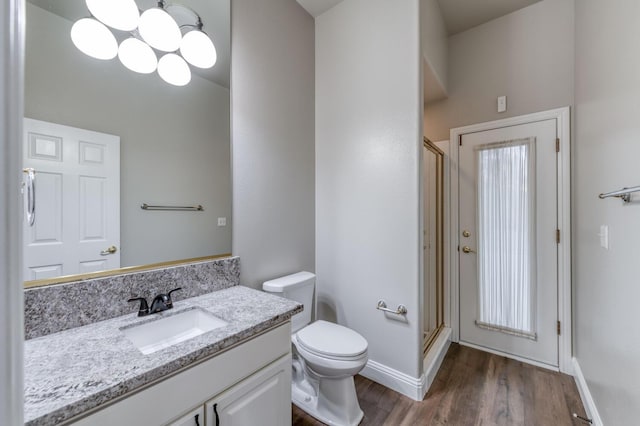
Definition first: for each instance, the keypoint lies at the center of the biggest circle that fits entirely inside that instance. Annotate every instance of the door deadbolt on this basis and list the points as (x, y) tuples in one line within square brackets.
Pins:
[(466, 233)]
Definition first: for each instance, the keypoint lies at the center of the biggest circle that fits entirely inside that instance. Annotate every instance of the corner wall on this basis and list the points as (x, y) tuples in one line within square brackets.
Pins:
[(272, 102), (368, 145), (526, 55), (606, 287)]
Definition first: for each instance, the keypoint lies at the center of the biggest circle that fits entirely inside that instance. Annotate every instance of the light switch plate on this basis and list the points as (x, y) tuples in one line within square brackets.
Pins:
[(604, 237), (502, 103)]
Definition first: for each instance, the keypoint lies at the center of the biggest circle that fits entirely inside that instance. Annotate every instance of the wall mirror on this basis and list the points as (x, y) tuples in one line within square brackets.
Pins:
[(135, 140)]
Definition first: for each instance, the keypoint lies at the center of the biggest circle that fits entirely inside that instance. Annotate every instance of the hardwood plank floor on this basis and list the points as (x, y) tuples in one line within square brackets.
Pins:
[(472, 388)]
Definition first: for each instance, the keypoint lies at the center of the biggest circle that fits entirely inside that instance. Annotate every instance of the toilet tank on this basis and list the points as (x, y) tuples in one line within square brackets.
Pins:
[(298, 287)]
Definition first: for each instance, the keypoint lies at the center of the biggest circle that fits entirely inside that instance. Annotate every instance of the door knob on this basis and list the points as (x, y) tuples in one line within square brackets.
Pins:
[(467, 249), (110, 250)]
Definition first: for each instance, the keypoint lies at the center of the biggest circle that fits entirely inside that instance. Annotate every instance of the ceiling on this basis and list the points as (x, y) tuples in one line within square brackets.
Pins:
[(317, 7), (461, 15), (215, 15)]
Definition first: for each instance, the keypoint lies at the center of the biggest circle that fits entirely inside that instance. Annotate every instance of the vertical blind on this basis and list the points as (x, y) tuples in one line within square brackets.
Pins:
[(506, 236)]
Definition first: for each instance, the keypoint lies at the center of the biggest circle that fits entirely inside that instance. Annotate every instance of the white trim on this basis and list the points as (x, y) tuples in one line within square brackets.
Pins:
[(510, 356), (585, 394), (11, 290), (433, 360), (395, 380), (562, 117)]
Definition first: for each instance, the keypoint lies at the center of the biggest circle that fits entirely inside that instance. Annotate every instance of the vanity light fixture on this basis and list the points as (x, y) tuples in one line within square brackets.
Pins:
[(145, 35)]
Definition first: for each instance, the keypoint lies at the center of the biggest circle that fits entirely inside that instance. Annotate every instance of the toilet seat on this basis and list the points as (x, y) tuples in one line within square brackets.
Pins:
[(332, 341)]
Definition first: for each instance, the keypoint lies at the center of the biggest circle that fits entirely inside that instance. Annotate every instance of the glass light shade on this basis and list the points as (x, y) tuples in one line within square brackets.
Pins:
[(94, 39), (160, 30), (174, 70), (137, 56), (119, 14), (198, 49)]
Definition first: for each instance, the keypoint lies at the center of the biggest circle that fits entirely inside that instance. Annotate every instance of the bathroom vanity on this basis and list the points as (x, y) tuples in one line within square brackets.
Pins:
[(239, 371)]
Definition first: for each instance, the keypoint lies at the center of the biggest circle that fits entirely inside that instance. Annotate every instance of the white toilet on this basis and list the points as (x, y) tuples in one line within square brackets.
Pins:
[(326, 356)]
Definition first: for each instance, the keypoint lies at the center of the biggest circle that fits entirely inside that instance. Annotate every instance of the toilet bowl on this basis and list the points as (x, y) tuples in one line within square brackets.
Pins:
[(326, 356)]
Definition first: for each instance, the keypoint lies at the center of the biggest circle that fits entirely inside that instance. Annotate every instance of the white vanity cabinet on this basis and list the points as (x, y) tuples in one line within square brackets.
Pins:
[(254, 401), (249, 384), (194, 418)]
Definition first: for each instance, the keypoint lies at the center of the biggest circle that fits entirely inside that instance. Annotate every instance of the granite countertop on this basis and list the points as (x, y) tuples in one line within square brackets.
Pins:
[(75, 370)]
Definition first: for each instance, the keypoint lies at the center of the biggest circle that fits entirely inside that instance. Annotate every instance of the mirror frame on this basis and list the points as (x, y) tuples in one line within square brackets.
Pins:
[(127, 269)]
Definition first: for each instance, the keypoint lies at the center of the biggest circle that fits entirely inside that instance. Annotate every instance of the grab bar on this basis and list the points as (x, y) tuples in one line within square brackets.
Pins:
[(624, 193), (382, 306), (197, 208), (31, 195)]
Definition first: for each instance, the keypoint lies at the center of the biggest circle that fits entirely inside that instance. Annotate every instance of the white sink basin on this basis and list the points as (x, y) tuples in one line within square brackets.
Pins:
[(155, 335)]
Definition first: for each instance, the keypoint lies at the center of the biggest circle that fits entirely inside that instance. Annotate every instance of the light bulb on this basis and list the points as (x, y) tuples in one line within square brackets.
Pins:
[(174, 70), (119, 14), (94, 39), (198, 49), (160, 30), (137, 56)]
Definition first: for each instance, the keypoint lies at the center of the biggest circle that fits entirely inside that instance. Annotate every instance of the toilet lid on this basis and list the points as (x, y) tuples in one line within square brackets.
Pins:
[(331, 339)]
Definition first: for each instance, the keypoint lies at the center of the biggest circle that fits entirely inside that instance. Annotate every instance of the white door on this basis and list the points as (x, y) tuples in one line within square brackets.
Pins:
[(77, 206), (262, 399), (507, 240)]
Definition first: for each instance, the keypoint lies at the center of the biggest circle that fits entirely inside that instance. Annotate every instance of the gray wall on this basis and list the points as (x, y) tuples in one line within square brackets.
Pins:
[(368, 145), (272, 79), (606, 285), (526, 55), (174, 140)]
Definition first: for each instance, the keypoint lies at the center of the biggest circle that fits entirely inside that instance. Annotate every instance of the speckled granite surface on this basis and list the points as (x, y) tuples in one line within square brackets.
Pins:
[(75, 370), (60, 307)]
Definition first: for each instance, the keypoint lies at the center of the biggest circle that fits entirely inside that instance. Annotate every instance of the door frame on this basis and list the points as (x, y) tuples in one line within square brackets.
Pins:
[(11, 289), (563, 132)]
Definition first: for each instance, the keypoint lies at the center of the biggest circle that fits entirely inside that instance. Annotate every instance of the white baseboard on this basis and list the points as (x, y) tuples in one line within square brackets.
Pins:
[(435, 356), (585, 394), (394, 379), (413, 387)]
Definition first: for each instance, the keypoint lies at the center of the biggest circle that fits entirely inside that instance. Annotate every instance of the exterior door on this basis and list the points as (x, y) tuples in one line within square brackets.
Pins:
[(77, 205), (508, 224)]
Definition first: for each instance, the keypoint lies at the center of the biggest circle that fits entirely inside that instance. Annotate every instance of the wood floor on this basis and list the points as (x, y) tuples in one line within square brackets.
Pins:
[(473, 388)]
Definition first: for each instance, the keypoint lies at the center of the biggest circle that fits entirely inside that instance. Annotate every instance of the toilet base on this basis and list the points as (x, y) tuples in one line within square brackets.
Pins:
[(341, 408)]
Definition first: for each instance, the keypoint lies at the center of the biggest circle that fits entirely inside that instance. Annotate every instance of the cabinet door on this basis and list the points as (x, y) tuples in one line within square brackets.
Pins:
[(261, 399), (194, 418)]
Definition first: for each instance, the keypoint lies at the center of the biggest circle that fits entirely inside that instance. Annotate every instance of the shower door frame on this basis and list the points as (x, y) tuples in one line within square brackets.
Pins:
[(428, 341)]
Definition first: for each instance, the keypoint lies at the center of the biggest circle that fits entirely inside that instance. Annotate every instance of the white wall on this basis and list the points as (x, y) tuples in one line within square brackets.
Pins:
[(607, 150), (11, 323), (434, 39), (368, 144), (526, 55), (272, 79), (174, 140)]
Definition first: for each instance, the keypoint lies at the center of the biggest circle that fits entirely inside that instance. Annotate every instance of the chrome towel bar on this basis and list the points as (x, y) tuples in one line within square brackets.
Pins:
[(197, 208), (624, 193), (382, 306)]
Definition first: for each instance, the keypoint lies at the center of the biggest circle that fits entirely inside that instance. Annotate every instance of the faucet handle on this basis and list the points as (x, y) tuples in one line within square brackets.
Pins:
[(144, 307), (169, 302)]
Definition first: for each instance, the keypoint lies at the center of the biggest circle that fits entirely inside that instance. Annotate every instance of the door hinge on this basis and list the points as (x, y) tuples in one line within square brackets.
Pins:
[(557, 144), (557, 236), (460, 140), (558, 328)]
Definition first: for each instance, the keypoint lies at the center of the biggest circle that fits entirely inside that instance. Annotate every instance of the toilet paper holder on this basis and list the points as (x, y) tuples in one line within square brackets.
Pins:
[(382, 306)]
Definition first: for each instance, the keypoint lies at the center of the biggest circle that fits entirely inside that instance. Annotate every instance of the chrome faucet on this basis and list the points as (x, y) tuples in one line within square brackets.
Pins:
[(160, 303)]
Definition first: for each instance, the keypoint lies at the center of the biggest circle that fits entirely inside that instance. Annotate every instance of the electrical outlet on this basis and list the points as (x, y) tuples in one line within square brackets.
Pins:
[(222, 221)]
